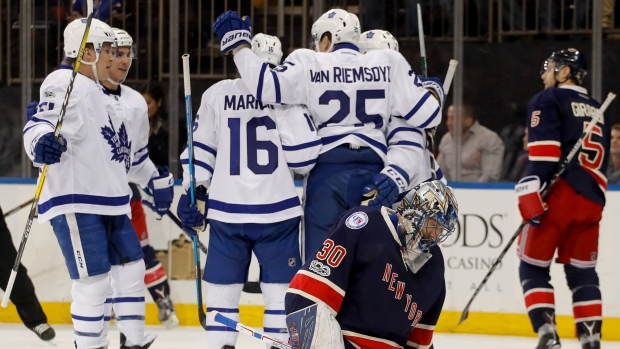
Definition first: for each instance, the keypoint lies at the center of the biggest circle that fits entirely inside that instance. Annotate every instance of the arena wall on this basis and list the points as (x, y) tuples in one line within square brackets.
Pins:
[(488, 217)]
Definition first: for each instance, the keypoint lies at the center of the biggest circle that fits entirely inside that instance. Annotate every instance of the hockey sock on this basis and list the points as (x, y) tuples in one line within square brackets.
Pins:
[(225, 299), (538, 294), (87, 310), (274, 320), (155, 278), (587, 302), (128, 285), (107, 311)]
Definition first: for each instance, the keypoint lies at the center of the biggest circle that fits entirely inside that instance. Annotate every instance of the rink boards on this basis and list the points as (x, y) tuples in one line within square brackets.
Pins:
[(488, 217)]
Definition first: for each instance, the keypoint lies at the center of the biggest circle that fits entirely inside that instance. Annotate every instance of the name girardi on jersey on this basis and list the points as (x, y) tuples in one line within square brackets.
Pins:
[(320, 268)]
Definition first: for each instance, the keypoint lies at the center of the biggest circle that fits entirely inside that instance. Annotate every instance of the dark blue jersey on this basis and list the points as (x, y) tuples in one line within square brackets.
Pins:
[(360, 275), (557, 118)]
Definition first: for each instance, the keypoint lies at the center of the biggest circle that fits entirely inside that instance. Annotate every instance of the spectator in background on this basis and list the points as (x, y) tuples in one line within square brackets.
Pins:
[(613, 171), (519, 169), (482, 150), (102, 9), (158, 135)]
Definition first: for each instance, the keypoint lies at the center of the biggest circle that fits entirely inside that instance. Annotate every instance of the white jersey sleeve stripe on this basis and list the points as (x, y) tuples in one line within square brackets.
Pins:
[(414, 144), (431, 118), (141, 149), (276, 85), (378, 145), (205, 148), (198, 163), (141, 160), (261, 77), (37, 120), (402, 129), (301, 146), (417, 106), (301, 164)]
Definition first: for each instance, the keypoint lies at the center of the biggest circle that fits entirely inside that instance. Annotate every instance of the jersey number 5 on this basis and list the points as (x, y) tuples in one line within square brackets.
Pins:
[(594, 159), (253, 146), (345, 106)]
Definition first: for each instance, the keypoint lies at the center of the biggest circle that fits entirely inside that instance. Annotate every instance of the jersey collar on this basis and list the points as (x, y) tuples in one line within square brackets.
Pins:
[(579, 89), (108, 92), (346, 46)]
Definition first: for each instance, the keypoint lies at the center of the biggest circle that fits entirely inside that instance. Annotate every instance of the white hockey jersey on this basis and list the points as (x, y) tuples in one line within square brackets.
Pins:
[(129, 105), (244, 152), (91, 176), (350, 95), (408, 149)]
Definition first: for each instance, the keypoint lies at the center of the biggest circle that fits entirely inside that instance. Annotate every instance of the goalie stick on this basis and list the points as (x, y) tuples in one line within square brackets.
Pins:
[(192, 185), (37, 195), (563, 165), (274, 343)]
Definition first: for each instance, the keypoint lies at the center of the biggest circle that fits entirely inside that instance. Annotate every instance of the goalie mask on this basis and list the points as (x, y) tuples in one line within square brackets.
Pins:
[(428, 215)]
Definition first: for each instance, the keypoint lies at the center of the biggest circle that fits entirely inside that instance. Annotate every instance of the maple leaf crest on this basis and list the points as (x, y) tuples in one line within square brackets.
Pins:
[(119, 142)]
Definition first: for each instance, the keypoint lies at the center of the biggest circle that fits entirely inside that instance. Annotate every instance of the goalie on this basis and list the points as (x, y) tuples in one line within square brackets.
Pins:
[(386, 258)]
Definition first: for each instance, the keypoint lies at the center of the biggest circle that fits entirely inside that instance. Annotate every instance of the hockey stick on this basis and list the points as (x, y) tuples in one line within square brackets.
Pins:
[(558, 173), (178, 223), (422, 46), (6, 214), (192, 184), (37, 195), (216, 316)]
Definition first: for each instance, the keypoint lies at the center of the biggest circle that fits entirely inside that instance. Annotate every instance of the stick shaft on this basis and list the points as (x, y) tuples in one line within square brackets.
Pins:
[(450, 75), (16, 209), (42, 177), (597, 118), (422, 45), (216, 316)]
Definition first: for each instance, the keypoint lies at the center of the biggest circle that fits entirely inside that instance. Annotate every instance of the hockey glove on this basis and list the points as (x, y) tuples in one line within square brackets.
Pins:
[(384, 187), (233, 31), (161, 191), (194, 217), (31, 109), (531, 204), (435, 87), (47, 149)]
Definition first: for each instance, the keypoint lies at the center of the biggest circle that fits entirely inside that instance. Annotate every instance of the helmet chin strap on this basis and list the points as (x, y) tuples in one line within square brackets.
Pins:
[(93, 65), (114, 82)]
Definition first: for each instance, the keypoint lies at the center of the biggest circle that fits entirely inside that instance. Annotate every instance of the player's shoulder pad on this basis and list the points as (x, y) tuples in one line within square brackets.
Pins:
[(56, 84), (134, 96), (545, 96)]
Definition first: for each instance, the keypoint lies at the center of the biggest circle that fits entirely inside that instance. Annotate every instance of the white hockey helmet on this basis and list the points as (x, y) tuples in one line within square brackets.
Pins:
[(343, 26), (98, 34), (123, 39), (377, 40), (268, 48), (429, 215)]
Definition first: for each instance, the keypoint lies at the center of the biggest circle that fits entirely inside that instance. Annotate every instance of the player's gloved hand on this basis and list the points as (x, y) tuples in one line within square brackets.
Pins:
[(47, 149), (531, 204), (384, 187), (161, 192), (233, 31), (31, 109), (194, 217), (435, 87)]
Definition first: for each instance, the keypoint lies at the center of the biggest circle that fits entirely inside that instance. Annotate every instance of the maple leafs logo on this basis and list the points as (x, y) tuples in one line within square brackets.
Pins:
[(121, 146)]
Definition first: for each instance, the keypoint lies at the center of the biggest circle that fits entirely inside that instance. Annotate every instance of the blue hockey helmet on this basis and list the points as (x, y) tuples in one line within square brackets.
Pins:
[(571, 58)]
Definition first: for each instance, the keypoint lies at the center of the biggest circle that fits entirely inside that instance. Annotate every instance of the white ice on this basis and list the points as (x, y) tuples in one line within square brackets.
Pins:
[(16, 336)]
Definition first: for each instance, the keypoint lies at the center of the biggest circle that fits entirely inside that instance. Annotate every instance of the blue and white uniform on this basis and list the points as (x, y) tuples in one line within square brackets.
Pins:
[(244, 152), (351, 97)]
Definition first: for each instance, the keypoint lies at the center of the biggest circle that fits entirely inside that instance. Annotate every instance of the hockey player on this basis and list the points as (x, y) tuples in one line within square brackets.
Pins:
[(130, 104), (350, 97), (86, 197), (407, 145), (244, 152), (557, 117), (396, 296)]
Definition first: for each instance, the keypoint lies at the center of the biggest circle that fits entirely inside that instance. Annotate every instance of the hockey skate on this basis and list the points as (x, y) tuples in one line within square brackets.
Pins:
[(44, 331), (167, 315), (589, 334), (149, 338)]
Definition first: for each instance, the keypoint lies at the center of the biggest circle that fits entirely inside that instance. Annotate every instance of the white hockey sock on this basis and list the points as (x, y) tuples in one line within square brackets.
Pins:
[(107, 311), (87, 310), (225, 299), (274, 320), (128, 285)]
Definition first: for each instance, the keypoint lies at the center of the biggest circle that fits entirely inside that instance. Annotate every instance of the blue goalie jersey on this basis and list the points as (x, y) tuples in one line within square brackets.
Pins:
[(557, 119), (360, 275)]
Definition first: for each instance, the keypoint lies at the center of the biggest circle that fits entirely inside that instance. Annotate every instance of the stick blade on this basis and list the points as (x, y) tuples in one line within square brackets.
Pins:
[(464, 316)]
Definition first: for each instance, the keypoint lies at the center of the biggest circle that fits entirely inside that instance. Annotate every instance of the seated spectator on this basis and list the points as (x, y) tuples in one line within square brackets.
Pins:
[(482, 150), (613, 171), (519, 169), (158, 134)]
